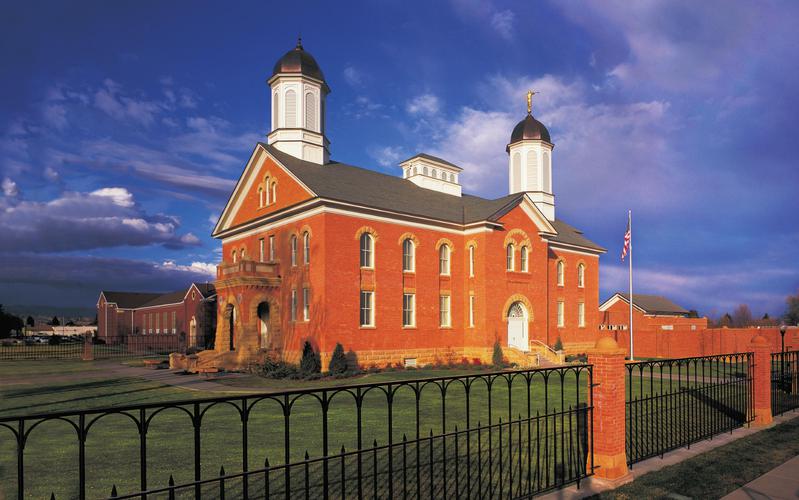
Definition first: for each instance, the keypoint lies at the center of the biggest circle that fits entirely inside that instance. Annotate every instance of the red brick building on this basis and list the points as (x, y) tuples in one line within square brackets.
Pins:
[(650, 312), (402, 268), (190, 311)]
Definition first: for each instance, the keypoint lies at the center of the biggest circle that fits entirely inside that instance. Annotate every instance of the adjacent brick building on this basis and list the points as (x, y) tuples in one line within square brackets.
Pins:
[(399, 269), (190, 312), (650, 312)]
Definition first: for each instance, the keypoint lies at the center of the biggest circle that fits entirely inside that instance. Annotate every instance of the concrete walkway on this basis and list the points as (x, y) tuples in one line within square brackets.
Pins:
[(777, 484), (593, 485)]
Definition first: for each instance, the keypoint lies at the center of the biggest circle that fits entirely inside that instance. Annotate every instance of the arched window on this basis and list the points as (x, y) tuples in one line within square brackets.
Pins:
[(310, 111), (581, 275), (291, 109), (235, 256), (547, 174), (261, 202), (434, 173), (367, 250), (424, 170), (274, 192), (275, 111), (306, 248), (471, 260), (561, 270), (443, 260), (523, 259), (509, 257), (532, 171), (266, 188), (408, 255), (516, 176), (294, 250)]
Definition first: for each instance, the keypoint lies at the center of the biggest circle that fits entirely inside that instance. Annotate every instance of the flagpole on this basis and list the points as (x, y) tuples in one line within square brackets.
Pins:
[(630, 224)]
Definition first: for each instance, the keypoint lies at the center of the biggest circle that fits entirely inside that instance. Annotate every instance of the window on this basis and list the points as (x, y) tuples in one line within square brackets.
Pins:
[(310, 111), (471, 260), (235, 257), (547, 174), (471, 310), (561, 319), (581, 314), (509, 257), (271, 247), (157, 324), (516, 173), (266, 191), (561, 270), (306, 248), (166, 322), (367, 254), (261, 248), (293, 305), (174, 330), (261, 201), (581, 275), (408, 251), (274, 192), (367, 309), (291, 109), (444, 313), (408, 309), (523, 259), (294, 250), (275, 112), (443, 260), (306, 304)]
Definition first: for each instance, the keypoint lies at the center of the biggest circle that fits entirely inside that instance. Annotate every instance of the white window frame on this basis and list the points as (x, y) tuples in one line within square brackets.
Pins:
[(471, 261), (408, 257), (561, 314), (293, 245), (581, 275), (306, 304), (370, 252), (510, 257), (306, 248), (581, 314), (560, 272), (444, 254), (271, 247), (409, 307), (371, 309), (471, 311), (261, 248), (523, 257), (445, 313)]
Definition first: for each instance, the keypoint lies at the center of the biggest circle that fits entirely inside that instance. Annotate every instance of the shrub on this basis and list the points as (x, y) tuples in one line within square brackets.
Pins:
[(558, 345), (310, 363), (279, 370), (498, 359), (577, 358), (338, 361)]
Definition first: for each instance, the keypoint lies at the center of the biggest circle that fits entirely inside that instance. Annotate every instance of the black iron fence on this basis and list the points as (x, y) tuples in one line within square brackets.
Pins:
[(513, 433), (74, 347), (784, 382), (676, 402)]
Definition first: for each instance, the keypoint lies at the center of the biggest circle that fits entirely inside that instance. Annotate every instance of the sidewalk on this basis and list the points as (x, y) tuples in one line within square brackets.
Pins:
[(779, 483)]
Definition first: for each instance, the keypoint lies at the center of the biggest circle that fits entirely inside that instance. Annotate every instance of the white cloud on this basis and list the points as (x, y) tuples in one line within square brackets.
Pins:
[(118, 195), (205, 268), (10, 188), (502, 22), (387, 156), (111, 101), (55, 115), (364, 107), (425, 104), (352, 76)]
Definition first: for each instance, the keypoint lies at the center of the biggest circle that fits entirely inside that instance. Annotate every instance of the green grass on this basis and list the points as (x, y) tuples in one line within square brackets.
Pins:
[(719, 471), (112, 446)]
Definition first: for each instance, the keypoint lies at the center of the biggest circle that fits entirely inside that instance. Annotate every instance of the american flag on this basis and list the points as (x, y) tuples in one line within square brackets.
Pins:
[(627, 236)]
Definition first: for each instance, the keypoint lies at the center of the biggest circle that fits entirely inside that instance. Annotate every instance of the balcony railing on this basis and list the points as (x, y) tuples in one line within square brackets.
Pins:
[(252, 268)]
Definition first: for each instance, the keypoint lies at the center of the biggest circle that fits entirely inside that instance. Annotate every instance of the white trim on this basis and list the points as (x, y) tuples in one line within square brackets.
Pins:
[(575, 248), (614, 299)]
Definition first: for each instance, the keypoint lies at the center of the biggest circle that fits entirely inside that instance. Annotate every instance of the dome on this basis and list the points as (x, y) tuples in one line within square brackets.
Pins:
[(529, 128), (297, 60)]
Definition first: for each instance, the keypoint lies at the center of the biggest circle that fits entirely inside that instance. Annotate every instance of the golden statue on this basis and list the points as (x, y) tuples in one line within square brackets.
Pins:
[(530, 94)]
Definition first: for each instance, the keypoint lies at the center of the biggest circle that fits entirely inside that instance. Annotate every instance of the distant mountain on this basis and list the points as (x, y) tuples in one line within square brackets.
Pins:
[(50, 311)]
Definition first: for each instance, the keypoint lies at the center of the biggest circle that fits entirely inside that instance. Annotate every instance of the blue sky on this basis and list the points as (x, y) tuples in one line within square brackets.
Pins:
[(123, 126)]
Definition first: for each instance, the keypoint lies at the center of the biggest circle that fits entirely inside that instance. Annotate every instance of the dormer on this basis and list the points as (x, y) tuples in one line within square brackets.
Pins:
[(433, 173)]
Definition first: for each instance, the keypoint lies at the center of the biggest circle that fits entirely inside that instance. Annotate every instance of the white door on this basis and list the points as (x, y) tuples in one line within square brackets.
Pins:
[(517, 327)]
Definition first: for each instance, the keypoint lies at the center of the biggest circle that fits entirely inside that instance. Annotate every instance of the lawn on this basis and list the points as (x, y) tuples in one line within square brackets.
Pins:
[(719, 471), (113, 444)]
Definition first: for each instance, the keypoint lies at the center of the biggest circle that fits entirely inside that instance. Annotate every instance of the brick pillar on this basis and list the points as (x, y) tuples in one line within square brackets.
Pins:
[(88, 350), (609, 419), (761, 380)]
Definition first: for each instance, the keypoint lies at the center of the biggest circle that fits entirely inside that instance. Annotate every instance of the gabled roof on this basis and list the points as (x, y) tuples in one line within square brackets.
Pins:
[(129, 300), (360, 186), (648, 304)]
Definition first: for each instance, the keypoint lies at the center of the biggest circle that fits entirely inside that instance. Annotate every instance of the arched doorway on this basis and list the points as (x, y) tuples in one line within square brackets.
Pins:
[(230, 317), (263, 324), (517, 327), (193, 332)]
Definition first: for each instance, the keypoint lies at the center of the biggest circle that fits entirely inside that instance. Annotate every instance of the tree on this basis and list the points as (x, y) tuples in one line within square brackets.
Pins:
[(55, 322), (30, 322), (741, 316), (338, 361), (9, 323), (791, 316), (497, 358), (310, 363), (70, 323), (558, 345), (693, 313), (725, 320)]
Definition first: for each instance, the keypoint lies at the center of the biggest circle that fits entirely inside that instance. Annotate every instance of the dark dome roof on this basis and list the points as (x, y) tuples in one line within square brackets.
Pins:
[(529, 128), (297, 60)]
